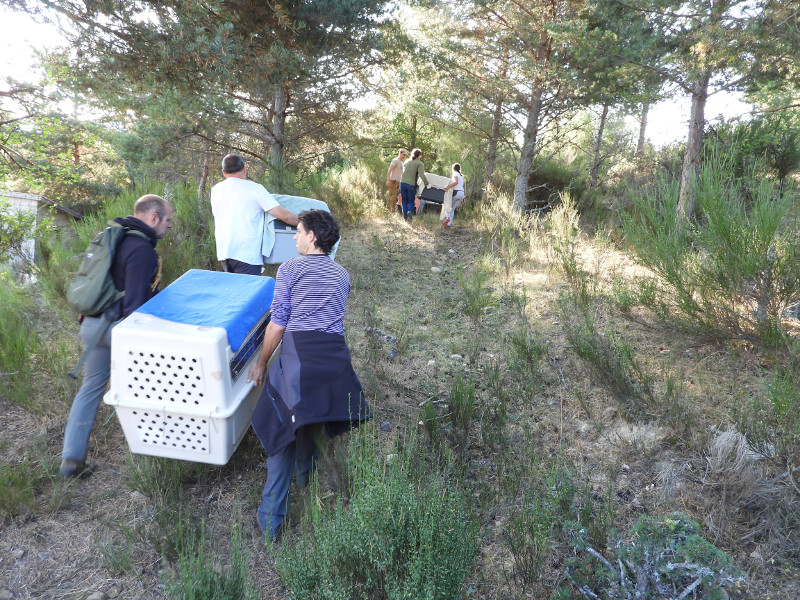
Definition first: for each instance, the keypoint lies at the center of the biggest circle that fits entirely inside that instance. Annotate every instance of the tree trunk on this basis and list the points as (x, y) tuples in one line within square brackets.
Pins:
[(278, 127), (413, 140), (531, 134), (598, 145), (642, 128), (528, 152), (201, 187), (491, 156), (691, 159)]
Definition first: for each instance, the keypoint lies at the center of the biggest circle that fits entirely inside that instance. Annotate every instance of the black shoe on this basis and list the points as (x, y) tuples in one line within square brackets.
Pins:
[(71, 467)]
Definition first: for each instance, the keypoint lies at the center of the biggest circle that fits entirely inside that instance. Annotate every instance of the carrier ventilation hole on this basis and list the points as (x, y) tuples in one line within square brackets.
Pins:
[(189, 434), (177, 379)]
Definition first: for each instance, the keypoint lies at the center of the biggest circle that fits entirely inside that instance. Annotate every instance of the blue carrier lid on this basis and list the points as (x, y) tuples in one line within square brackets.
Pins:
[(233, 301)]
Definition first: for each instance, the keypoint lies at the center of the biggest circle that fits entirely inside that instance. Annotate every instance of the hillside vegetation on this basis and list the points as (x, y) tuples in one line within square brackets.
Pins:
[(589, 388), (564, 408)]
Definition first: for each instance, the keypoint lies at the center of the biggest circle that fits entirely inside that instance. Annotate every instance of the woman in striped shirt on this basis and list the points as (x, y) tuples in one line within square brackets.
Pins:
[(312, 384)]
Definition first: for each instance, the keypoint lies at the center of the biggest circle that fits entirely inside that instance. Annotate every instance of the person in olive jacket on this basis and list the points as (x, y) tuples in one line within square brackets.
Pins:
[(413, 169)]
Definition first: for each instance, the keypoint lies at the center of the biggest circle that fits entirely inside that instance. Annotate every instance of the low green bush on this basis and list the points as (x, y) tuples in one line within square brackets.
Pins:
[(771, 419), (477, 295), (564, 234), (16, 228), (549, 179), (350, 193), (160, 479), (405, 534), (18, 482), (612, 360), (461, 405), (200, 576)]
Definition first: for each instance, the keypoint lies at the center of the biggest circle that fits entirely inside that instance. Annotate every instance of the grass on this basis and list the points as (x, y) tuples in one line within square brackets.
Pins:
[(486, 488), (15, 340)]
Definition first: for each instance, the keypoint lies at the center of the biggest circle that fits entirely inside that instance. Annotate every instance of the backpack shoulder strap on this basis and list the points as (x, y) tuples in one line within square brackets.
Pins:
[(137, 233)]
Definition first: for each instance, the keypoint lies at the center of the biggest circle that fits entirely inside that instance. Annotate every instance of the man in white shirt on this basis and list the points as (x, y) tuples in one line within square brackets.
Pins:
[(393, 177), (239, 206)]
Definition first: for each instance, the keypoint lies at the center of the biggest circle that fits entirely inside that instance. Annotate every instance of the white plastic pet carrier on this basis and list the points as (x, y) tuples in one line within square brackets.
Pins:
[(179, 366)]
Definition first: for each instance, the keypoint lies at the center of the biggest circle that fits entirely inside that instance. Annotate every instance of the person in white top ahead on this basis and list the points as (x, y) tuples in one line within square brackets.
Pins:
[(457, 185), (239, 206), (393, 176)]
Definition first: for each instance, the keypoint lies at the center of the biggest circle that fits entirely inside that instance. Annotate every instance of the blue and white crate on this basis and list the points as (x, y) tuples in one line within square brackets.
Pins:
[(179, 366)]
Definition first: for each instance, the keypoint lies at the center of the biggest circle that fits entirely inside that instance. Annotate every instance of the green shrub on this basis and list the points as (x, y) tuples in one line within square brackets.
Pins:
[(402, 535), (527, 350), (477, 294), (549, 494), (16, 228), (461, 405), (190, 243), (732, 271), (117, 555), (550, 179), (771, 419), (564, 234), (662, 557), (495, 412), (351, 193), (198, 576), (612, 360), (17, 345), (59, 257), (504, 231), (18, 483), (160, 479)]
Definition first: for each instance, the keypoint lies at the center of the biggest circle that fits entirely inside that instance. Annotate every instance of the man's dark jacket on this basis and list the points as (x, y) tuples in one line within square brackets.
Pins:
[(135, 267)]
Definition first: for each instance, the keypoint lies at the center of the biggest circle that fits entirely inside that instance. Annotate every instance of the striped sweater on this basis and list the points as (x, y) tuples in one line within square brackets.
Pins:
[(311, 294)]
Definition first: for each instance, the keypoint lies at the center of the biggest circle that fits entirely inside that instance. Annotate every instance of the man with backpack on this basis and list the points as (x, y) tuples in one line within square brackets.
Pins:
[(136, 272)]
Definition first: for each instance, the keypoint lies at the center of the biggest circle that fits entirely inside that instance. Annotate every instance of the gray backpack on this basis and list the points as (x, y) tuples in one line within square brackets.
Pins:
[(93, 290)]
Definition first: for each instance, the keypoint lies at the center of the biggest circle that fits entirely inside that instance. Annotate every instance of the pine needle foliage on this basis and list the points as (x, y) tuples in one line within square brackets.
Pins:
[(731, 272)]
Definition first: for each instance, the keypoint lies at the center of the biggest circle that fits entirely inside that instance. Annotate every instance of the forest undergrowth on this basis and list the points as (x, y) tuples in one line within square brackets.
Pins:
[(547, 425)]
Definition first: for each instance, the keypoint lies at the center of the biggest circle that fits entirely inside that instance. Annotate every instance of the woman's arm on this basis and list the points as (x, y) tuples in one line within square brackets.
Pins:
[(272, 337)]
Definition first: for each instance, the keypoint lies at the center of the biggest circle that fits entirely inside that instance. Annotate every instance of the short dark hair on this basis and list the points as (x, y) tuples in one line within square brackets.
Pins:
[(324, 226), (150, 203), (415, 153), (232, 163)]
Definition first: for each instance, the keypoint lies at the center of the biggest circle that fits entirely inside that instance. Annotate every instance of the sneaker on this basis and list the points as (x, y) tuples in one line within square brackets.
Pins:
[(446, 223), (71, 467)]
